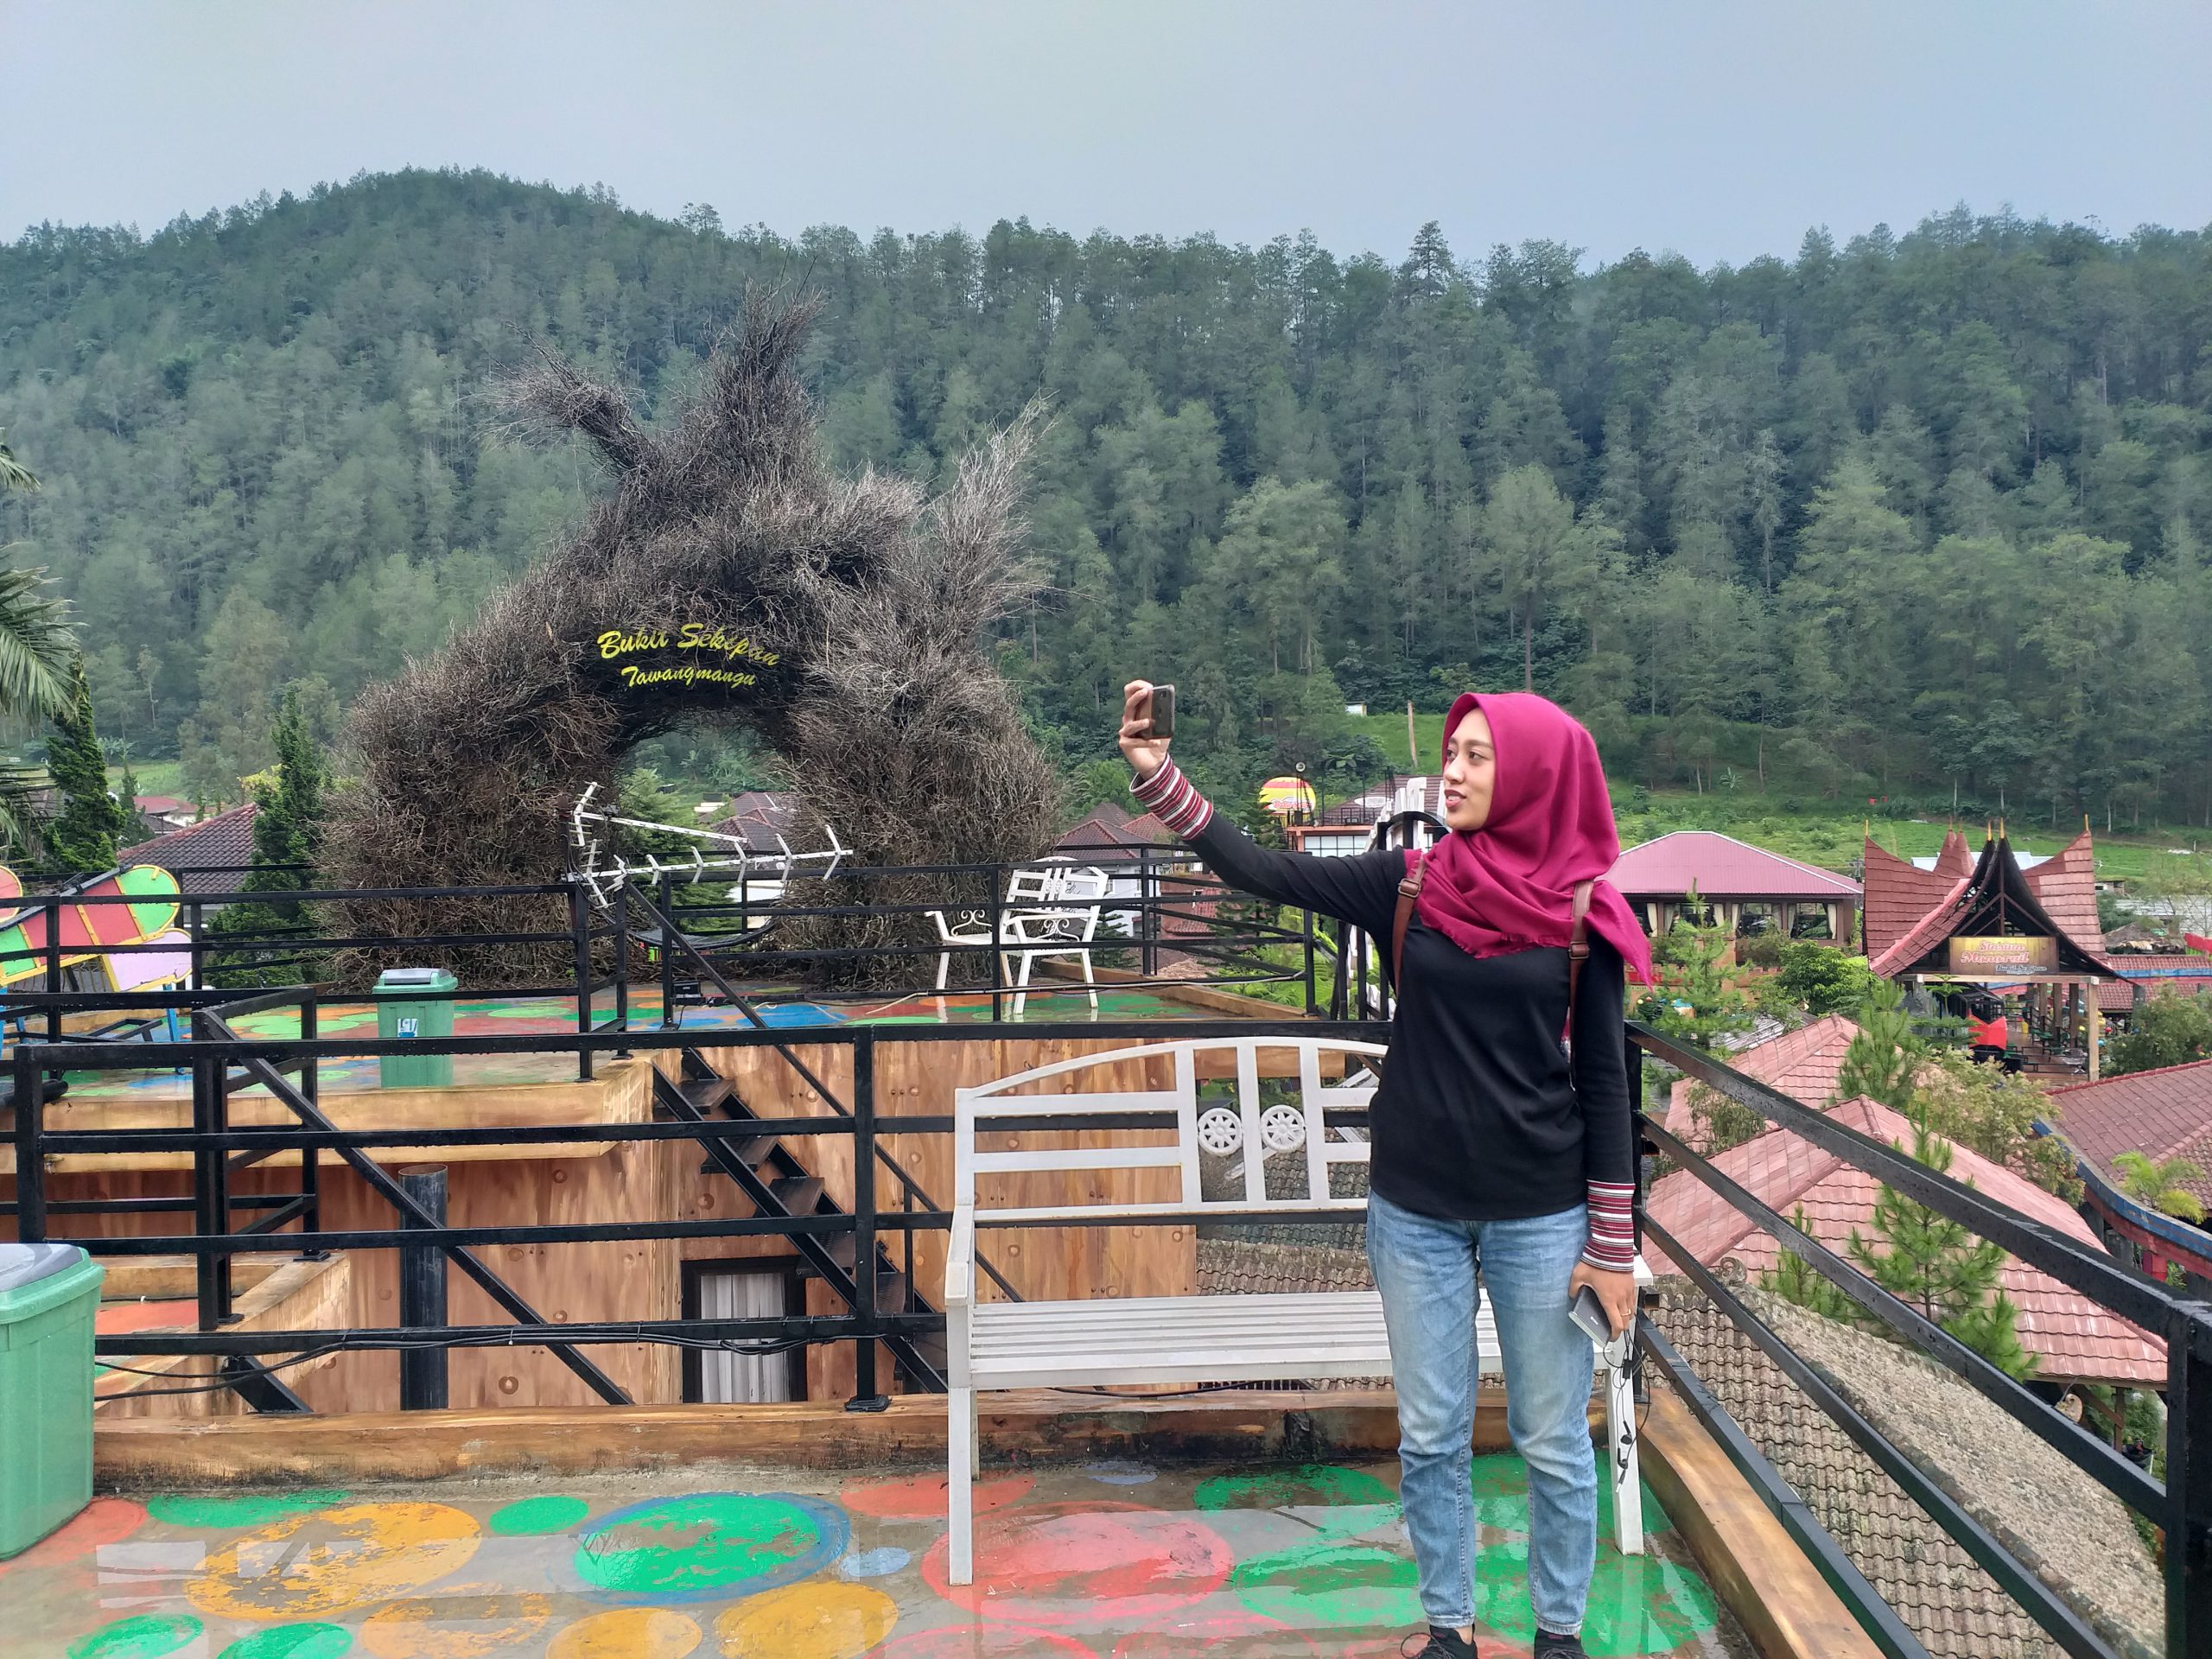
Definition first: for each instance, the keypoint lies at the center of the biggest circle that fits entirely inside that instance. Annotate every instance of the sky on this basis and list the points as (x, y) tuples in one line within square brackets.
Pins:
[(1718, 129)]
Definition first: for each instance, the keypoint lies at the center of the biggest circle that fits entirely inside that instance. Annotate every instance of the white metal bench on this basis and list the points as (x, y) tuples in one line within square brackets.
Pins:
[(1167, 1339)]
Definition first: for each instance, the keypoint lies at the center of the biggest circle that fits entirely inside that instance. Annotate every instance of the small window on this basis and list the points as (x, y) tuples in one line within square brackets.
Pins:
[(764, 1288)]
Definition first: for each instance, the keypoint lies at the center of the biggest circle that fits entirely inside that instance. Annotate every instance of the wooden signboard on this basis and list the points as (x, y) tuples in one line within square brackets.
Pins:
[(1991, 955)]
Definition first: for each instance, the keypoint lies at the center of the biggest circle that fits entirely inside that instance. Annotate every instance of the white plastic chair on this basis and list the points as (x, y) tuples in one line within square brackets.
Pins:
[(1065, 926)]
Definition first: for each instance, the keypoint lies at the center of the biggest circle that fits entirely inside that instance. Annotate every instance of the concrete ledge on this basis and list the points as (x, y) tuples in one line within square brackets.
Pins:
[(1036, 1425)]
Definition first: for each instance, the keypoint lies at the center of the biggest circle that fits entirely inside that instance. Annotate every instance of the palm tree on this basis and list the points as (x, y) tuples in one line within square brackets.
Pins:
[(2158, 1184), (38, 653), (14, 475)]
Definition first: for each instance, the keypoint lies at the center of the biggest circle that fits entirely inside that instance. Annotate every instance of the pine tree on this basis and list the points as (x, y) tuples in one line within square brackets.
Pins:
[(81, 840), (1795, 1280), (1932, 1263), (287, 840), (1991, 1331)]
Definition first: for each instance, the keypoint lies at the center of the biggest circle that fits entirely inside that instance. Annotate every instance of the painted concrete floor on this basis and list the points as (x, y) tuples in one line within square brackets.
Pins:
[(1105, 1562)]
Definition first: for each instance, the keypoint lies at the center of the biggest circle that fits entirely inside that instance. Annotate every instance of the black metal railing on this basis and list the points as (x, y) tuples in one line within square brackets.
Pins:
[(221, 1062)]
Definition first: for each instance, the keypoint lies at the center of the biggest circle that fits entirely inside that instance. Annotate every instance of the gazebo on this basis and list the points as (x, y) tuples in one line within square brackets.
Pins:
[(1746, 889), (2033, 932)]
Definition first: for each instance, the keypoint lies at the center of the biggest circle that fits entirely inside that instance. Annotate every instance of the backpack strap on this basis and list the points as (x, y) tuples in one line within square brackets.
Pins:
[(1408, 892), (1578, 947), (1578, 943)]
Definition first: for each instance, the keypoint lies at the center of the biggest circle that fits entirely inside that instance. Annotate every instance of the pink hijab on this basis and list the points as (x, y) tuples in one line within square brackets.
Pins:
[(1510, 884)]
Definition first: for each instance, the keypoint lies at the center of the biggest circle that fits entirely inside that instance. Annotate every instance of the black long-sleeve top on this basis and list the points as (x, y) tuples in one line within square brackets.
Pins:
[(1477, 1118)]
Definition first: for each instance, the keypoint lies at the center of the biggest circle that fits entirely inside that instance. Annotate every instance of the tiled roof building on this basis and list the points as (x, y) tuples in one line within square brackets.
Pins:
[(2047, 1512), (222, 844), (1802, 1064), (2162, 1114), (2073, 1338)]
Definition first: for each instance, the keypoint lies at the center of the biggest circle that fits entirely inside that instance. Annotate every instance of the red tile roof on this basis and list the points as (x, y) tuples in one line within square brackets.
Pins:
[(225, 841), (1802, 1064), (1954, 858), (1898, 894), (2066, 885), (2073, 1337), (1721, 868), (2167, 1113)]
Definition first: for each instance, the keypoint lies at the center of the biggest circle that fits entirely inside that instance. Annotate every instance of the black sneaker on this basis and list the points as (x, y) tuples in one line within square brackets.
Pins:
[(1559, 1647), (1438, 1644)]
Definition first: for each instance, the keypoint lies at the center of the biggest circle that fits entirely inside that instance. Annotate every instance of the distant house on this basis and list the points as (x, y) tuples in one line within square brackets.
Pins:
[(209, 856), (2073, 1338), (757, 817), (159, 814), (1342, 830), (1746, 889)]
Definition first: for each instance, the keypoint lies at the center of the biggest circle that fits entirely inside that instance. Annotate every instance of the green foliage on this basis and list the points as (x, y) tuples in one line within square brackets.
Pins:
[(1868, 520), (1991, 1111), (2166, 1030), (1796, 1281), (1821, 979), (81, 838), (2158, 1184), (1693, 1002), (1884, 1054), (288, 823)]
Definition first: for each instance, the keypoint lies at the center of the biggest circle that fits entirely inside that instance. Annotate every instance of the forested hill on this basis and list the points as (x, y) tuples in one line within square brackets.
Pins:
[(1900, 515)]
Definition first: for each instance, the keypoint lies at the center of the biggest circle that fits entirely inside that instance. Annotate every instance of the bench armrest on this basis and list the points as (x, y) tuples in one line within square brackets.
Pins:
[(960, 1259)]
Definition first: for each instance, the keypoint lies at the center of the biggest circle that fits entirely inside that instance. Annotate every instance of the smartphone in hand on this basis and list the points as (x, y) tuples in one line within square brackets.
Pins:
[(1163, 711), (1588, 1312)]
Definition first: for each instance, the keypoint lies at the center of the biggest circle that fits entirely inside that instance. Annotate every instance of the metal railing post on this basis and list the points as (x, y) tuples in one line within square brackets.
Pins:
[(194, 921), (668, 1020), (53, 969), (1312, 1003), (1147, 919), (622, 963), (580, 929), (865, 1395), (30, 1154), (310, 1157), (422, 1291), (211, 1182), (2189, 1481)]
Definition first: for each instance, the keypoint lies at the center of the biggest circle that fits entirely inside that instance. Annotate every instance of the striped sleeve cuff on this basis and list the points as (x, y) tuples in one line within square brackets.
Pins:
[(1612, 1227), (1174, 800)]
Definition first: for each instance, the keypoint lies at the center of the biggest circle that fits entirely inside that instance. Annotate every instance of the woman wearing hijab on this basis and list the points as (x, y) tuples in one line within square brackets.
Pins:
[(1488, 1155)]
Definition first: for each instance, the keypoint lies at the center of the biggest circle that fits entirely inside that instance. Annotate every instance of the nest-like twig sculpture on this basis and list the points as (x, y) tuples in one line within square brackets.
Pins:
[(874, 598)]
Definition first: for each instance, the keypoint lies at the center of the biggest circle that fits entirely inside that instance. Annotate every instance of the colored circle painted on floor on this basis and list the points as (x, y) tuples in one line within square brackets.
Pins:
[(292, 1641), (466, 1621), (984, 1642), (1120, 1471), (878, 1563), (807, 1621), (628, 1633), (1214, 1633), (1055, 1563), (1332, 1586), (143, 1635), (328, 1560), (104, 1520), (1638, 1605), (922, 1497), (711, 1544), (532, 1517), (213, 1509), (1347, 1499)]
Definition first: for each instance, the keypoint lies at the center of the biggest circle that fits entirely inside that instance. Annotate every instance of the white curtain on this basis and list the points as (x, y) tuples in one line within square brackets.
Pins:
[(743, 1379)]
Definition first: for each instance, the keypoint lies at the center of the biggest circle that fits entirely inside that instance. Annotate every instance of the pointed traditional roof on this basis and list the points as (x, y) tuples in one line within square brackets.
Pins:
[(1898, 893), (1954, 858), (1997, 898), (2067, 886), (2074, 1339)]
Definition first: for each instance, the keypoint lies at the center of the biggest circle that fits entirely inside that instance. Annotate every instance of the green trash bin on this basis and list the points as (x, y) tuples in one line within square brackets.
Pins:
[(419, 1015), (49, 1293)]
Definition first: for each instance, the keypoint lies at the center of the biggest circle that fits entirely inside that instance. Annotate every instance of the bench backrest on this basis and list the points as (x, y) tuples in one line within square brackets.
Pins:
[(1177, 1130)]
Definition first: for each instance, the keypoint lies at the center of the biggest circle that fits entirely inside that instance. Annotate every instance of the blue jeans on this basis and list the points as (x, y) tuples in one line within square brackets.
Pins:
[(1425, 1270)]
